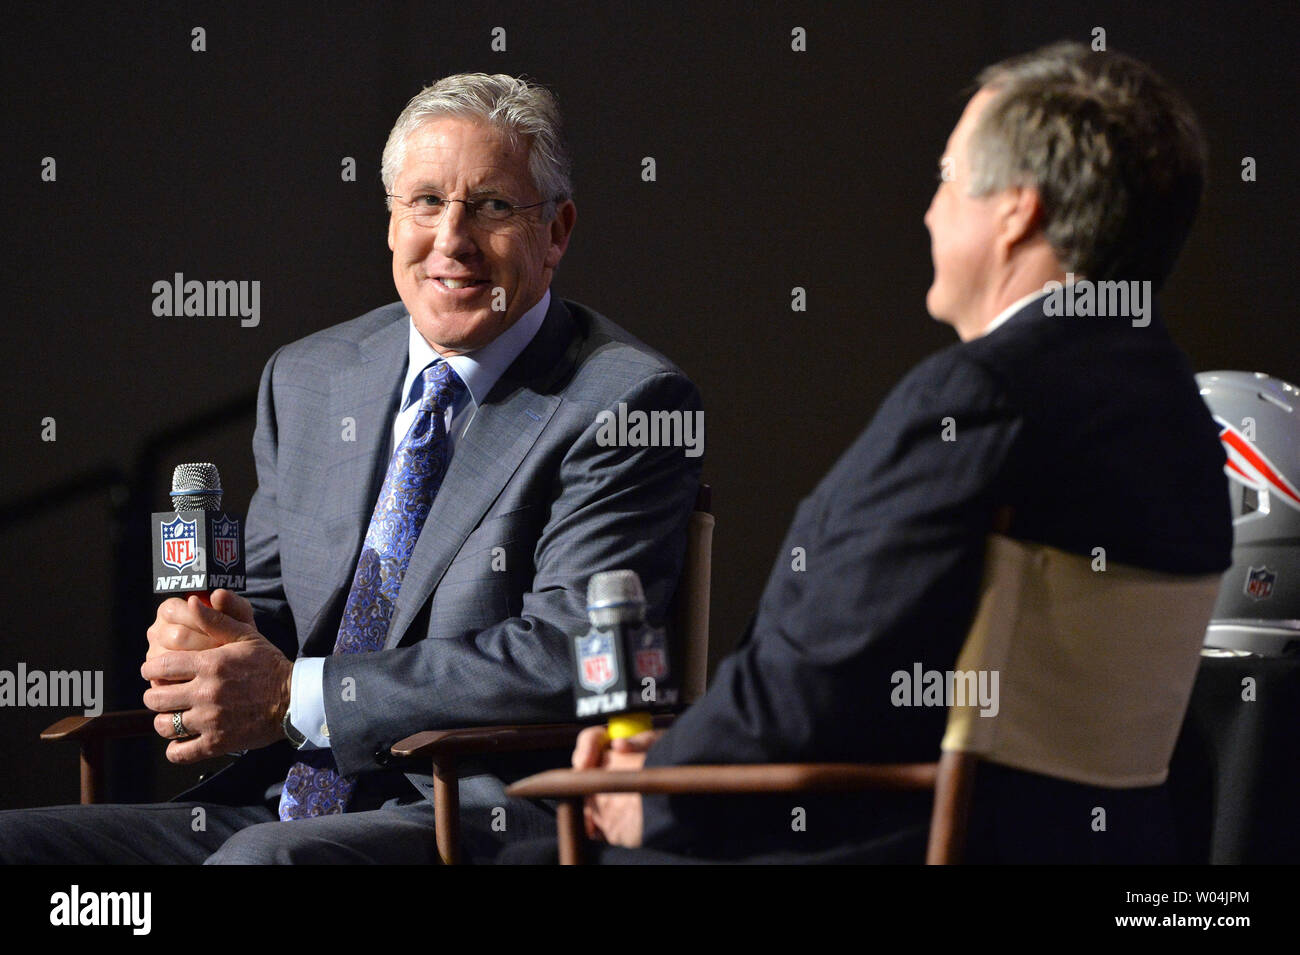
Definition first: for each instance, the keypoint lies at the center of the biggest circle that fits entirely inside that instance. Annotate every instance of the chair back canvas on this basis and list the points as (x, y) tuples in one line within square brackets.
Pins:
[(692, 610), (1094, 667)]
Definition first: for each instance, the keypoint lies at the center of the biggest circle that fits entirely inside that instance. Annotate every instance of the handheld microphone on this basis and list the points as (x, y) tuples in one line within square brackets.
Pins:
[(197, 547), (621, 663)]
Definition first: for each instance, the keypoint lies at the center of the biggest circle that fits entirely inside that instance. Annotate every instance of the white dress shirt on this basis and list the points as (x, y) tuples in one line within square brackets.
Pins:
[(1003, 315)]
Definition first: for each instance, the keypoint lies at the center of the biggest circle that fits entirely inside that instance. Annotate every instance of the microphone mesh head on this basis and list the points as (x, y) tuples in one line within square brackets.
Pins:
[(196, 487), (614, 597)]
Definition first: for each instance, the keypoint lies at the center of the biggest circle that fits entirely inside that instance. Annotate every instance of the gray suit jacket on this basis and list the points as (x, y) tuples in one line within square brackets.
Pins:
[(531, 506)]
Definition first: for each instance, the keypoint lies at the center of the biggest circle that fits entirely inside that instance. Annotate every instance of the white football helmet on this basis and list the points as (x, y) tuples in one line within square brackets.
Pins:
[(1259, 602)]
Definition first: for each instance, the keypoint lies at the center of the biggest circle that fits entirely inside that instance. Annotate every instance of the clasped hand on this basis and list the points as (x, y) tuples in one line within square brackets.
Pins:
[(614, 817), (230, 684)]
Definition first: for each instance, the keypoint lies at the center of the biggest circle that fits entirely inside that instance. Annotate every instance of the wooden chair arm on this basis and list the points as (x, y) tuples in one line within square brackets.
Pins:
[(444, 748), (570, 786), (728, 779), (115, 725), (91, 733), (511, 738), (474, 740)]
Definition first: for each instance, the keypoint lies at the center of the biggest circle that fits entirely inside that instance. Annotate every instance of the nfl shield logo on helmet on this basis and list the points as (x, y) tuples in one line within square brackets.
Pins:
[(180, 543), (597, 665), (1259, 583), (225, 542)]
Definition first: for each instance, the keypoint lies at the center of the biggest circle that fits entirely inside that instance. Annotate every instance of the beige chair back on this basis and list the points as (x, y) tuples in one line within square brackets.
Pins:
[(691, 609), (1094, 667)]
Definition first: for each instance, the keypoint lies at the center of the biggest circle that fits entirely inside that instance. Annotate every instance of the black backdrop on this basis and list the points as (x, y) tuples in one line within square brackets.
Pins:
[(775, 169)]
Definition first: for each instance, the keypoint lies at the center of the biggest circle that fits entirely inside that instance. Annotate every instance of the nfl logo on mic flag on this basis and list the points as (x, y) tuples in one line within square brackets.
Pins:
[(614, 670), (226, 549), (651, 654), (597, 662), (197, 550), (179, 543)]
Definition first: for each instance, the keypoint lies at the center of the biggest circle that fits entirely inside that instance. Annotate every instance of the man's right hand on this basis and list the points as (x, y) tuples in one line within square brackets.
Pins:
[(614, 817), (177, 625)]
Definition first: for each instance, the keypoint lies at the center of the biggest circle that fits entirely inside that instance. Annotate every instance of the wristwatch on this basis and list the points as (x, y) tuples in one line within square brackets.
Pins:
[(296, 739)]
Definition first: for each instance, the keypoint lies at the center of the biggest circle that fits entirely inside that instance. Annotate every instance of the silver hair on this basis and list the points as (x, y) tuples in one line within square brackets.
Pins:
[(525, 112), (1116, 154)]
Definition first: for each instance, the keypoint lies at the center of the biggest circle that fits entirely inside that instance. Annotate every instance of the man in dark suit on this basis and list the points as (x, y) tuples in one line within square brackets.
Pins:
[(1077, 427), (434, 491)]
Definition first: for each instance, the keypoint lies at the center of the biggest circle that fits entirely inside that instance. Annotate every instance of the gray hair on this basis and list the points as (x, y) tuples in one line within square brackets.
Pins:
[(525, 112), (1115, 153)]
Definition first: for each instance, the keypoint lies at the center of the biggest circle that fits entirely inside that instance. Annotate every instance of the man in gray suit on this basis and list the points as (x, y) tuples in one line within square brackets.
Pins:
[(472, 411)]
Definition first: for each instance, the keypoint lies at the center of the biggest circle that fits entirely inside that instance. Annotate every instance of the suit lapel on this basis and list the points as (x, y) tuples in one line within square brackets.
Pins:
[(366, 393), (500, 435)]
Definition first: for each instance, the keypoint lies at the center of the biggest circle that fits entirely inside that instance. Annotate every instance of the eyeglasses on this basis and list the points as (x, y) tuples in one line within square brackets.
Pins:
[(428, 209)]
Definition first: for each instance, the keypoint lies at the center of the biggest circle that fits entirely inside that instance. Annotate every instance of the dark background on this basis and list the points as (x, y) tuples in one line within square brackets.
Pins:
[(775, 169)]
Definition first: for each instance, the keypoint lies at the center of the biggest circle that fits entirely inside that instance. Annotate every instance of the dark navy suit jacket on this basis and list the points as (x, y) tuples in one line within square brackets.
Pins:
[(1090, 430)]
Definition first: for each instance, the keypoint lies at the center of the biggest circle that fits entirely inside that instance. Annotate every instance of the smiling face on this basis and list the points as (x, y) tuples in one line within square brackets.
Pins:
[(447, 275), (962, 232)]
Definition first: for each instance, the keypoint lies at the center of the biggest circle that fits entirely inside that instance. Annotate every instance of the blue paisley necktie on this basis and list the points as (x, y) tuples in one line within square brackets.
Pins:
[(314, 787)]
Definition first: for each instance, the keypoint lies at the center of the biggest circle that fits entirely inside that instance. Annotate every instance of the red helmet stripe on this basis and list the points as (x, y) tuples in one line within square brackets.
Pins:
[(1232, 466), (1260, 463)]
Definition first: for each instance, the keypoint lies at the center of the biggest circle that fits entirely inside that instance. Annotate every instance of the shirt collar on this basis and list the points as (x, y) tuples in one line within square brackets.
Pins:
[(1011, 309), (480, 368)]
